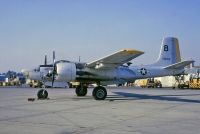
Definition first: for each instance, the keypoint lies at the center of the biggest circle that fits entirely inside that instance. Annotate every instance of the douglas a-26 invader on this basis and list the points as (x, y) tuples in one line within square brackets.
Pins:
[(111, 69)]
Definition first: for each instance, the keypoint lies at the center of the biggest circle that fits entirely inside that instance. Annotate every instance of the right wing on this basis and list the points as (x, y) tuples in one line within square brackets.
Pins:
[(116, 59)]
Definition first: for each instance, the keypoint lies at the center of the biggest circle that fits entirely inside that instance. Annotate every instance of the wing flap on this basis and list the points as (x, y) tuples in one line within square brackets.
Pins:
[(179, 65), (115, 59)]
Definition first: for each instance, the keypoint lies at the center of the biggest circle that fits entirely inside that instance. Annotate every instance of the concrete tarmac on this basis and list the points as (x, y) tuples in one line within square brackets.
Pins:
[(125, 111)]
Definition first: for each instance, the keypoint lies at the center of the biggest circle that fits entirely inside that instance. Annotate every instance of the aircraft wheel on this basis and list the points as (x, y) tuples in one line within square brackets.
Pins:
[(42, 94), (81, 90), (99, 93)]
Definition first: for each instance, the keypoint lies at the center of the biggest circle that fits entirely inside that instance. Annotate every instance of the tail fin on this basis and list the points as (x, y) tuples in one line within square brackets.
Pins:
[(169, 53)]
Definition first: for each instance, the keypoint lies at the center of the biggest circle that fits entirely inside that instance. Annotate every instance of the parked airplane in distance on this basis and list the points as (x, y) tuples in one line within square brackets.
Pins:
[(111, 69)]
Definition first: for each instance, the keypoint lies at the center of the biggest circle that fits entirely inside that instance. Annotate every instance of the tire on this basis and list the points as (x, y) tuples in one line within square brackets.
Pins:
[(42, 94), (99, 93), (81, 90)]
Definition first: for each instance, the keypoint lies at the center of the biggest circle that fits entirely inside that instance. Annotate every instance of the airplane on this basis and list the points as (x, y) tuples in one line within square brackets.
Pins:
[(111, 69)]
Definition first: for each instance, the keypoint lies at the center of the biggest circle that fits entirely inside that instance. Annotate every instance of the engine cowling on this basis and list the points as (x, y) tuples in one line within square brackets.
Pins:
[(65, 71)]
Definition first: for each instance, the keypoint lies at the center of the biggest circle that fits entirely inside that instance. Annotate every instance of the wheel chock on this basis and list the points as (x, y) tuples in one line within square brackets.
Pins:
[(31, 99)]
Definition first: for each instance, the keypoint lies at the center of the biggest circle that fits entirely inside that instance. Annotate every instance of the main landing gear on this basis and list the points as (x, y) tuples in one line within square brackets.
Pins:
[(99, 92), (81, 90)]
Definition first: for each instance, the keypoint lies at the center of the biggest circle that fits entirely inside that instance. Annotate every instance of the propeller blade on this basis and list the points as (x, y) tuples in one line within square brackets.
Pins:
[(54, 68), (53, 78)]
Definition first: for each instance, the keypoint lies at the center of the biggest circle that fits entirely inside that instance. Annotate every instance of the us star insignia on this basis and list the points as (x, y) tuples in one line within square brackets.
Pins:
[(143, 71)]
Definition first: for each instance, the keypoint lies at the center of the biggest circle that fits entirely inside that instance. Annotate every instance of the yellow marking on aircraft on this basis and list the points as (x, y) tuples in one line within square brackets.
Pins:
[(178, 55), (132, 51)]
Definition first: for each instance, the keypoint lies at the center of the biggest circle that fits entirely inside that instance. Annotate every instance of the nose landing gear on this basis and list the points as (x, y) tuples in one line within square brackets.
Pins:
[(42, 94)]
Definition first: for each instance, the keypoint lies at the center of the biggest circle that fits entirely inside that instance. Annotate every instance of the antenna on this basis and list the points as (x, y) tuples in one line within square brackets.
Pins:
[(54, 57), (45, 60), (79, 58)]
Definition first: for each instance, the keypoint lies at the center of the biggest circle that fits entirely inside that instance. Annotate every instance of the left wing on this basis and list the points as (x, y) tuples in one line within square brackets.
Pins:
[(116, 59)]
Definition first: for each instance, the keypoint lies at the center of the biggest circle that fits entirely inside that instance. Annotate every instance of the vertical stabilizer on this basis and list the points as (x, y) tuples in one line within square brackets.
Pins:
[(169, 52)]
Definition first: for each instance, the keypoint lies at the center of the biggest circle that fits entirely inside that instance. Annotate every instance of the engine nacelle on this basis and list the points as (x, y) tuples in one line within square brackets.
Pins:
[(66, 71)]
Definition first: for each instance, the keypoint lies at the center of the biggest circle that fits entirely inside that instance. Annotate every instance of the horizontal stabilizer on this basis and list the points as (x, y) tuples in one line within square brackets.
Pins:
[(179, 65)]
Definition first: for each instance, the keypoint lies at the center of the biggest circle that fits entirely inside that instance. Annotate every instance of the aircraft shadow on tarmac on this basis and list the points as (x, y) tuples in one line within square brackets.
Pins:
[(133, 96)]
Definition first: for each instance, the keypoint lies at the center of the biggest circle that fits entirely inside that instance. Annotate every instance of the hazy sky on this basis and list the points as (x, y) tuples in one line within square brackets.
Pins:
[(29, 29)]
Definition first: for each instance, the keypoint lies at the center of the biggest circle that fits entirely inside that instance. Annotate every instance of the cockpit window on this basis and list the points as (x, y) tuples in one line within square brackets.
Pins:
[(62, 61)]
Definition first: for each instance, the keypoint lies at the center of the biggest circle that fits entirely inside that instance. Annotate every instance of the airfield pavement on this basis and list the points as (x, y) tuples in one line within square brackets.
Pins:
[(125, 111)]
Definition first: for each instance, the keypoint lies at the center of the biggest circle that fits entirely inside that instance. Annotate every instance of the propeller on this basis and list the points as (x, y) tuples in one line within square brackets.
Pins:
[(54, 68)]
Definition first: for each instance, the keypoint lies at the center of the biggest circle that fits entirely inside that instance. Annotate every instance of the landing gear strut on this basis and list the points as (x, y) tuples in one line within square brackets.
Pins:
[(99, 93), (42, 94), (81, 90)]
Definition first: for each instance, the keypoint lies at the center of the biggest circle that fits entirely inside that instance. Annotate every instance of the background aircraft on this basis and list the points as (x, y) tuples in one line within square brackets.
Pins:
[(111, 69)]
